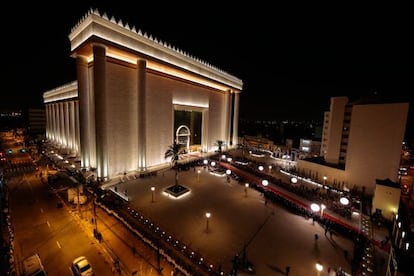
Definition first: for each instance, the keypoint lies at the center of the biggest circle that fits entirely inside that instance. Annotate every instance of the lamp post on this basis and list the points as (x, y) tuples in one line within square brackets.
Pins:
[(78, 201), (315, 208), (397, 233), (152, 193), (322, 208), (245, 189), (198, 176), (344, 201), (324, 180), (208, 215), (95, 224), (265, 182), (228, 172), (360, 216), (319, 268), (96, 233)]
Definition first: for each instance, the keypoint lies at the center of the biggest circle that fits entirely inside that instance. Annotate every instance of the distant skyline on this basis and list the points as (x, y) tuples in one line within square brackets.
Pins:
[(291, 59)]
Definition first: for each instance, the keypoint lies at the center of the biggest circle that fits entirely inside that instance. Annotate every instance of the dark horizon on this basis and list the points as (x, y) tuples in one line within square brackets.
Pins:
[(291, 59)]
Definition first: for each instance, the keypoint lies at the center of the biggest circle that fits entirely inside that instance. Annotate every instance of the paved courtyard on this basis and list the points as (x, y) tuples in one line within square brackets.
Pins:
[(240, 218)]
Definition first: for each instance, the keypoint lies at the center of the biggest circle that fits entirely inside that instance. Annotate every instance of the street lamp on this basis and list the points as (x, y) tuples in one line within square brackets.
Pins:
[(261, 168), (208, 215), (294, 180), (265, 182), (322, 208), (245, 189), (198, 176), (360, 216), (324, 180), (319, 268), (228, 172), (95, 224), (96, 233), (315, 208), (152, 193), (344, 201)]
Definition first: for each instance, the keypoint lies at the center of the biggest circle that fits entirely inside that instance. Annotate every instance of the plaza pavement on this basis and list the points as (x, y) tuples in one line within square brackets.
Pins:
[(273, 237)]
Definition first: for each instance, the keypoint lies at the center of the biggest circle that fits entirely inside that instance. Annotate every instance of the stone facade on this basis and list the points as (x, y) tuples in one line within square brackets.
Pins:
[(119, 115)]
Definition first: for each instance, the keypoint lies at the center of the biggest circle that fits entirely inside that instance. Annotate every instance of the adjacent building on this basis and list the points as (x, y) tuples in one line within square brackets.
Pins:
[(134, 96), (361, 146), (36, 122)]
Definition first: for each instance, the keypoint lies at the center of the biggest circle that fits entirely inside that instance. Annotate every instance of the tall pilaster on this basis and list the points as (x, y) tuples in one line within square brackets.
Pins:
[(66, 137), (77, 126), (50, 121), (142, 132), (55, 123), (236, 109), (47, 121), (228, 117), (61, 125), (101, 98), (204, 131), (72, 131), (84, 111)]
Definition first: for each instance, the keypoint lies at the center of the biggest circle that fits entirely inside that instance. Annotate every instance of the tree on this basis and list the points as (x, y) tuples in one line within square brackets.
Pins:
[(174, 152), (219, 144)]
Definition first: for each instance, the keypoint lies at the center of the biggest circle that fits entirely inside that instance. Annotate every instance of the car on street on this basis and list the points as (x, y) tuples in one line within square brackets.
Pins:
[(81, 267), (32, 266)]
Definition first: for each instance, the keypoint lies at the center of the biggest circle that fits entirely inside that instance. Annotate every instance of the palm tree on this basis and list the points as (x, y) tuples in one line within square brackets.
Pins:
[(174, 152), (219, 144)]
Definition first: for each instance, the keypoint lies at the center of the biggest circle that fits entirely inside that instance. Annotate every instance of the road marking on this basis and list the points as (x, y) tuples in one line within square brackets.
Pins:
[(58, 244)]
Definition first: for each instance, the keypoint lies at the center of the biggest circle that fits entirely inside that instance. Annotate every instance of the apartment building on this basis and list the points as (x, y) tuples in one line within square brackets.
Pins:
[(361, 148)]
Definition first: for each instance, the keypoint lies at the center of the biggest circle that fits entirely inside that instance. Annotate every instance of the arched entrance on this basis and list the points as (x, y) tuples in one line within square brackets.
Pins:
[(188, 123), (183, 135)]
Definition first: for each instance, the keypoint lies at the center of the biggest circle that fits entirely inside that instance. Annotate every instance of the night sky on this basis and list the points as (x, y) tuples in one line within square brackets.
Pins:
[(291, 58)]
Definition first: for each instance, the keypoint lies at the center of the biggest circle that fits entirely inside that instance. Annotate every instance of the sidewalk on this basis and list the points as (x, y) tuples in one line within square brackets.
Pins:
[(121, 248)]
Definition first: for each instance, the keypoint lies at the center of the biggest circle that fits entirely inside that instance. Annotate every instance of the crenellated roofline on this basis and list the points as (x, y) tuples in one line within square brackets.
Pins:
[(61, 93), (95, 24)]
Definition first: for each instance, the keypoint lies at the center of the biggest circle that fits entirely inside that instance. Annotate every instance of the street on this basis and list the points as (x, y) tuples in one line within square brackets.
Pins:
[(41, 227)]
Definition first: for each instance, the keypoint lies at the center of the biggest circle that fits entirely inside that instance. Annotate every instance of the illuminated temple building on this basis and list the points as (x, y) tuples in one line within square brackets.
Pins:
[(134, 96)]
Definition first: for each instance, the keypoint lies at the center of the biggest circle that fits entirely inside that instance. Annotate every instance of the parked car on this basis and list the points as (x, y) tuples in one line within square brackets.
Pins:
[(32, 266), (81, 267)]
